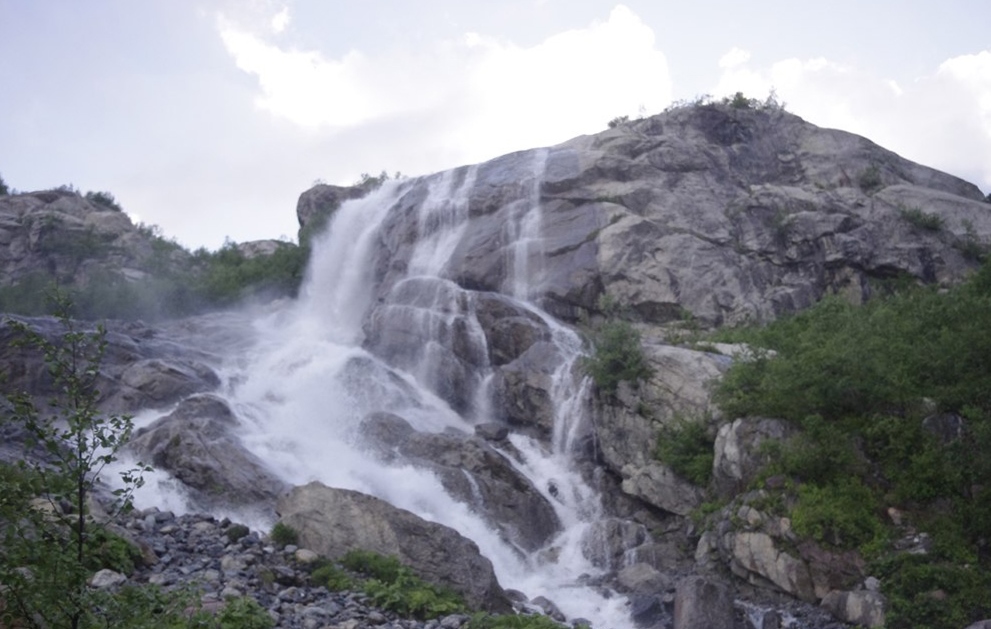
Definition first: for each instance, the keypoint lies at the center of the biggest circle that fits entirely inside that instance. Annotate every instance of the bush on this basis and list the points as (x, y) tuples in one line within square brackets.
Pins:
[(332, 577), (394, 587), (105, 199), (45, 583), (860, 381), (4, 190), (284, 535), (244, 613), (617, 121), (511, 621), (923, 220), (687, 448), (617, 356), (925, 591), (870, 179), (841, 514)]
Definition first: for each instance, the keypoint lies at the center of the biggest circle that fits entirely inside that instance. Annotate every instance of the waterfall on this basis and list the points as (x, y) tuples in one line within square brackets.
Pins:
[(303, 389)]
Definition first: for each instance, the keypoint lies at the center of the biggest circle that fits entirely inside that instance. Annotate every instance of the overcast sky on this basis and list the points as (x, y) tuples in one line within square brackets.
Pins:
[(209, 117)]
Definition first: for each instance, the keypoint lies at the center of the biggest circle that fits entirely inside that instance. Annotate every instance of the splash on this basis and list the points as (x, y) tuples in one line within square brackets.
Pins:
[(305, 385)]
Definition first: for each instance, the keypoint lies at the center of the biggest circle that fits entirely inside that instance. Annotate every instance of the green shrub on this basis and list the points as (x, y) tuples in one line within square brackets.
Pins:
[(394, 587), (739, 101), (925, 591), (687, 448), (243, 613), (284, 535), (869, 179), (617, 121), (512, 621), (842, 514), (4, 190), (617, 356), (927, 221), (105, 199), (332, 577)]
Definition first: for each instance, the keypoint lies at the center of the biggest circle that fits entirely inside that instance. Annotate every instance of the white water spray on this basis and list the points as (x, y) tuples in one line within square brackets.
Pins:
[(302, 390)]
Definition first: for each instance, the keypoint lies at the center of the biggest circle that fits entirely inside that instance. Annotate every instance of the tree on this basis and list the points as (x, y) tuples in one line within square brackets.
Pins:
[(4, 190), (49, 545)]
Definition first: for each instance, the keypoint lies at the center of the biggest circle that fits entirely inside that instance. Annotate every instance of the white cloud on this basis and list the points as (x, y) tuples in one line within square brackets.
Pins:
[(734, 58), (281, 20), (489, 95), (942, 119)]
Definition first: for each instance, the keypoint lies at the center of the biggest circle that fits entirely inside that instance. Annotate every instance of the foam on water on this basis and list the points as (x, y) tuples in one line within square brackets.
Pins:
[(305, 384)]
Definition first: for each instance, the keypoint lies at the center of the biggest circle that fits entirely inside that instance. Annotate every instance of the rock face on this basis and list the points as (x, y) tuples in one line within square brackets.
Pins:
[(861, 607), (334, 521), (142, 368), (197, 444), (472, 472), (702, 603), (737, 451), (60, 234), (727, 214)]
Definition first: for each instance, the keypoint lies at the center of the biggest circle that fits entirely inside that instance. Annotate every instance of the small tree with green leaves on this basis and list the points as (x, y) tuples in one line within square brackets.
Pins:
[(49, 544), (4, 190)]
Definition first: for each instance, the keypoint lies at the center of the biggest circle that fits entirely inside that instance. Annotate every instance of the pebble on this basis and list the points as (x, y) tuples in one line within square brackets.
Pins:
[(194, 549)]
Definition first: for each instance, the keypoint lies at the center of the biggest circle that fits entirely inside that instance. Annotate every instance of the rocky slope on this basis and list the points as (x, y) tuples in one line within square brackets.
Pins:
[(709, 215)]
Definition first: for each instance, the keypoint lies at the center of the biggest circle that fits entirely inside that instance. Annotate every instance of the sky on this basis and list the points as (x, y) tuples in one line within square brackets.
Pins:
[(208, 118)]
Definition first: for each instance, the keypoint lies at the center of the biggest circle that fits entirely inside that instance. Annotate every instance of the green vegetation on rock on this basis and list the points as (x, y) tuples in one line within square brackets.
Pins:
[(686, 446), (893, 399), (617, 356), (389, 584)]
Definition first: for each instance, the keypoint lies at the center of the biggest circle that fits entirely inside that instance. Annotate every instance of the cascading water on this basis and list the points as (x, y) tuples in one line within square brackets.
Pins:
[(305, 386)]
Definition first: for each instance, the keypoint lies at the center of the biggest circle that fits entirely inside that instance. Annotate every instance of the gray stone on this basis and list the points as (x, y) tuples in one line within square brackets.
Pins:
[(703, 603), (105, 579), (334, 521), (738, 454), (861, 607), (197, 444)]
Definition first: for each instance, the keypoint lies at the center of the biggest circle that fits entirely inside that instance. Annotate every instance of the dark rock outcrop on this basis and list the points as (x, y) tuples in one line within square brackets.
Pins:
[(472, 472), (197, 444)]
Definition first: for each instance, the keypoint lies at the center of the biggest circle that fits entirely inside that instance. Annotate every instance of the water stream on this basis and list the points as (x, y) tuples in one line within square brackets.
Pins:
[(305, 385)]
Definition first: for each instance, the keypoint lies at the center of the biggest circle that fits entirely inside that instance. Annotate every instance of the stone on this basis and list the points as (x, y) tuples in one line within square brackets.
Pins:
[(333, 521), (755, 557), (658, 485), (196, 443), (105, 579), (738, 456), (863, 608), (703, 603), (472, 471)]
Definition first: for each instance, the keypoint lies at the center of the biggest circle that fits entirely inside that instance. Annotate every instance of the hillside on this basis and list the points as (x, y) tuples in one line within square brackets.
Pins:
[(784, 328)]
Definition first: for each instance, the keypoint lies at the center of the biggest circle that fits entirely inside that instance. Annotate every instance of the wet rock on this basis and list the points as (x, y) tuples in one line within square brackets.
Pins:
[(474, 473), (197, 444)]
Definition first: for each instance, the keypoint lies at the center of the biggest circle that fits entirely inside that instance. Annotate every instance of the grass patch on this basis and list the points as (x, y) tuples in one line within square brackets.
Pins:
[(926, 221)]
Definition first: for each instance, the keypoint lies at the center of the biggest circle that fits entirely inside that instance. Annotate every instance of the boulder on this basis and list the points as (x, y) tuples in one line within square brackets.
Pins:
[(703, 603), (862, 608), (322, 199), (657, 485), (197, 443), (427, 326), (755, 558), (472, 472), (334, 521), (738, 455)]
